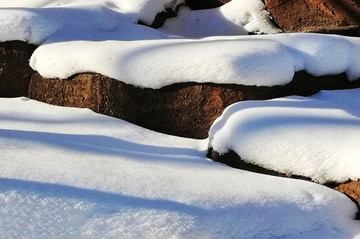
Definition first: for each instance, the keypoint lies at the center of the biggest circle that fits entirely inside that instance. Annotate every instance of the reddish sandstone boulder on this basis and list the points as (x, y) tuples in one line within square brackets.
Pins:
[(186, 109), (328, 16), (15, 72)]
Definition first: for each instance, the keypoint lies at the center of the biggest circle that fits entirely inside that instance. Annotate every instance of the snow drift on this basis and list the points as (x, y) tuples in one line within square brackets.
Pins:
[(71, 173), (248, 60), (316, 137)]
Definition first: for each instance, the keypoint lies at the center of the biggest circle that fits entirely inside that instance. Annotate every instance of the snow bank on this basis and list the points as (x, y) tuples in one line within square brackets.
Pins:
[(252, 60), (77, 20), (144, 10), (71, 173), (62, 20), (237, 17), (316, 137)]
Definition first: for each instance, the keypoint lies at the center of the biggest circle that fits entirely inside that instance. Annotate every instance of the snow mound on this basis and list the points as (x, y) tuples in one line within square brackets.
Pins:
[(251, 60), (237, 17), (50, 21), (69, 22), (71, 173), (144, 10), (316, 137)]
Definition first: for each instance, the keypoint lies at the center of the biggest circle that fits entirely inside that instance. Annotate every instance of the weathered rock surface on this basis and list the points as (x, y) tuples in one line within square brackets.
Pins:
[(186, 109), (327, 16), (351, 189), (15, 72)]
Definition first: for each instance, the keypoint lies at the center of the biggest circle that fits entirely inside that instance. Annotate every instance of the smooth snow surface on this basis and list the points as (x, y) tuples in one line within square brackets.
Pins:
[(71, 173), (237, 17), (251, 60), (316, 137), (48, 21), (69, 21), (144, 10)]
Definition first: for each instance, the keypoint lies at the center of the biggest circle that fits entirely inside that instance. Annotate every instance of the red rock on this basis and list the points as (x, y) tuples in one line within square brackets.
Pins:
[(329, 16), (186, 109)]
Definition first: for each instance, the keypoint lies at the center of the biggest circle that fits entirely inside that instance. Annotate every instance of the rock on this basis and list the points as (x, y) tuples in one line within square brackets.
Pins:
[(186, 109), (205, 4), (325, 16), (15, 72)]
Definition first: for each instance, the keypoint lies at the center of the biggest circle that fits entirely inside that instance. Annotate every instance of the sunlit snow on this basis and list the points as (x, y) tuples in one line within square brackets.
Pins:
[(71, 173), (248, 60), (316, 137)]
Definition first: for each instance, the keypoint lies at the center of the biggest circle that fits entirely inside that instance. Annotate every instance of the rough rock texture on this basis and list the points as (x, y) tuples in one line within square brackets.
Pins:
[(351, 189), (186, 109), (205, 4), (328, 16), (15, 72)]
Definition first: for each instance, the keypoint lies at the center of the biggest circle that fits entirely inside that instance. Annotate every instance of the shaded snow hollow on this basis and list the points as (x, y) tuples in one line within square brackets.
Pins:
[(316, 137), (72, 173)]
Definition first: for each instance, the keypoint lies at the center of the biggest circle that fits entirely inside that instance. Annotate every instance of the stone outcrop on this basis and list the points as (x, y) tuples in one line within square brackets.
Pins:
[(326, 16), (186, 109), (15, 72), (351, 188)]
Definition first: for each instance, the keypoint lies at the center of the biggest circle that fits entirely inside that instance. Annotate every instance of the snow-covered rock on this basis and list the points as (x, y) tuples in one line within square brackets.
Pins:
[(315, 137), (245, 60)]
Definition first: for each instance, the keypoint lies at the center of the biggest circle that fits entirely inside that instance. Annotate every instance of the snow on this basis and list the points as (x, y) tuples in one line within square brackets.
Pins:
[(316, 137), (104, 37), (144, 10), (237, 17), (71, 173), (46, 21), (248, 60), (58, 24)]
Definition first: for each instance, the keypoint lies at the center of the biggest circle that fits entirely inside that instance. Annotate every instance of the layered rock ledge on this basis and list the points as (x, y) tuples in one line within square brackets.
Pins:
[(185, 109)]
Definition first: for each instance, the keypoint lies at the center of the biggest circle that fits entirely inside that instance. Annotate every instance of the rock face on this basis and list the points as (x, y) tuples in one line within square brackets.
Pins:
[(186, 109), (15, 72), (328, 16)]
